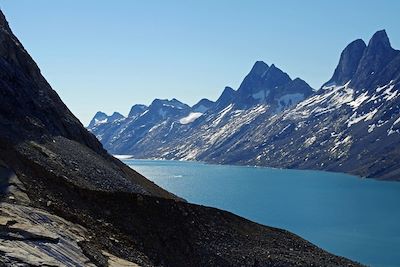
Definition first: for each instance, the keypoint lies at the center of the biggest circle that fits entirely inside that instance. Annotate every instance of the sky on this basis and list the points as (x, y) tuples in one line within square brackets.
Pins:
[(109, 55)]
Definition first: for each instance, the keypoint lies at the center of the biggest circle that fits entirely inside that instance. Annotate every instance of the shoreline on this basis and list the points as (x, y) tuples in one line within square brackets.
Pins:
[(131, 157)]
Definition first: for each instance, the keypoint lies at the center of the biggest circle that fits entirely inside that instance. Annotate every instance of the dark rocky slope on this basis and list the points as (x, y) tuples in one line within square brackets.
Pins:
[(64, 200)]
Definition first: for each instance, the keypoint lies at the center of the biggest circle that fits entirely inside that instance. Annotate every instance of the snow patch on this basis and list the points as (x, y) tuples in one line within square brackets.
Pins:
[(156, 126), (371, 128), (221, 114), (98, 122), (359, 100), (172, 106), (144, 113), (396, 121), (392, 130), (123, 156), (340, 143), (190, 118), (330, 99), (366, 117), (310, 141)]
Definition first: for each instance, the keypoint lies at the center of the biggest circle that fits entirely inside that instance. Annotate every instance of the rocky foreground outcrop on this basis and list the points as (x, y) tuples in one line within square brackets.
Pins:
[(66, 202)]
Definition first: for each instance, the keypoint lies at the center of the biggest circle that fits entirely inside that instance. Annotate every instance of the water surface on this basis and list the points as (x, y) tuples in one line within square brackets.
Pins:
[(348, 216)]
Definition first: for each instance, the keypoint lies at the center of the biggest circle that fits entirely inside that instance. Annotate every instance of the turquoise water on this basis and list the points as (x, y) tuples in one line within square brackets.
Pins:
[(348, 216)]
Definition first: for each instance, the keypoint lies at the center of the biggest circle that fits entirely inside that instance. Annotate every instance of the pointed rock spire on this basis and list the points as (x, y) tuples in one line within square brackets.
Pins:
[(379, 40), (348, 63), (116, 116), (376, 56), (136, 110), (259, 68), (227, 97), (203, 105), (99, 116)]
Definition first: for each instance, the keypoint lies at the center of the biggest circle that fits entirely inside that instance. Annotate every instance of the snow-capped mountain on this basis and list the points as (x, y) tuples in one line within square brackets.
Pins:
[(351, 124), (148, 129), (101, 118), (119, 135), (270, 85)]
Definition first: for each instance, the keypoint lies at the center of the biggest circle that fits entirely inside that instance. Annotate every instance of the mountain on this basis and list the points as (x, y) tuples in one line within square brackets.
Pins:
[(227, 97), (136, 110), (351, 124), (270, 85), (348, 63), (266, 89), (203, 105), (141, 120), (101, 118), (377, 56), (65, 201)]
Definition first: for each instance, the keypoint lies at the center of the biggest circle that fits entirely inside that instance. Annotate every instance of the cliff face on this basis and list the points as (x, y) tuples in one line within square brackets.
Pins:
[(30, 108), (36, 126), (64, 200)]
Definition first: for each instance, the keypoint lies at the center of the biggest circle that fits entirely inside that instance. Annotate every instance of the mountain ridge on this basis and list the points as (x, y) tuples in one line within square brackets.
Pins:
[(245, 125)]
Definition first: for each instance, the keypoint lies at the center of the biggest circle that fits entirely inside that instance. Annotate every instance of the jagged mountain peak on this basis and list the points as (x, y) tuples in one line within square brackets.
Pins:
[(379, 48), (348, 63), (380, 39), (275, 76), (136, 110), (174, 103), (228, 95), (100, 114), (259, 68), (297, 79), (300, 83), (273, 66), (165, 108), (204, 101), (364, 66), (228, 91), (116, 116), (101, 117), (262, 76), (203, 105), (267, 86), (377, 55)]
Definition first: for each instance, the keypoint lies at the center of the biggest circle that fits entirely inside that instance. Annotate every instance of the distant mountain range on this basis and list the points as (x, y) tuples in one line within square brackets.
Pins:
[(351, 124)]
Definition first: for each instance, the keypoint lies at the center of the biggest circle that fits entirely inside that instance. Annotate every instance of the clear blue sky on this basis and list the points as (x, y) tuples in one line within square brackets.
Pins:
[(109, 55)]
